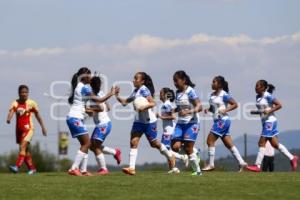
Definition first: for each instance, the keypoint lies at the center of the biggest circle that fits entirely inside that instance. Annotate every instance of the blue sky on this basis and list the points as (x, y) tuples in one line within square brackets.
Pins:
[(66, 23), (243, 40)]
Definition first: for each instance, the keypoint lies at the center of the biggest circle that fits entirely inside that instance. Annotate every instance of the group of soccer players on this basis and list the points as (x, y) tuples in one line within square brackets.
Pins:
[(179, 114)]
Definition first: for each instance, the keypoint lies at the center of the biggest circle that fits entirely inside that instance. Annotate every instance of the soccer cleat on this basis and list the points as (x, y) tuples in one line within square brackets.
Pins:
[(294, 163), (86, 173), (253, 168), (102, 171), (196, 174), (14, 169), (208, 168), (172, 162), (118, 156), (242, 167), (31, 172), (74, 172), (175, 170), (185, 160), (129, 171)]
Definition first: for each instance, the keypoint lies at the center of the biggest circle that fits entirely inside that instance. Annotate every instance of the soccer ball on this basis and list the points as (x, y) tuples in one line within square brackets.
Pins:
[(140, 102)]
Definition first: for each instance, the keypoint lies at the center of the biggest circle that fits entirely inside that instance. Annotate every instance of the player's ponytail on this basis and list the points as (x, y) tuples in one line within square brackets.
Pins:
[(223, 83), (148, 82), (268, 87), (169, 93), (182, 75), (74, 81)]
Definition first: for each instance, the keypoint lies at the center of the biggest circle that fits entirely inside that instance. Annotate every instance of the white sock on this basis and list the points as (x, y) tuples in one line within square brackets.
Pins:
[(260, 156), (194, 162), (235, 152), (108, 150), (164, 151), (78, 159), (84, 163), (101, 161), (286, 152), (132, 158), (211, 155), (195, 150), (177, 155)]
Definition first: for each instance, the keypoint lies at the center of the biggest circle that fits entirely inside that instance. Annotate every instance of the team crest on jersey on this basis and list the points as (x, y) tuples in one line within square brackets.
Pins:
[(269, 126), (220, 124), (103, 129)]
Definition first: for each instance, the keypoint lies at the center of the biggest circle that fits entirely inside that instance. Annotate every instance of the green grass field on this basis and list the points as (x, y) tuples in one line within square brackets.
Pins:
[(151, 185)]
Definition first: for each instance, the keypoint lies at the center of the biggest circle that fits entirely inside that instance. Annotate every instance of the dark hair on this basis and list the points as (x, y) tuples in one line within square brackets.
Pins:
[(21, 87), (96, 84), (269, 87), (223, 83), (74, 81), (148, 82), (182, 75), (169, 93)]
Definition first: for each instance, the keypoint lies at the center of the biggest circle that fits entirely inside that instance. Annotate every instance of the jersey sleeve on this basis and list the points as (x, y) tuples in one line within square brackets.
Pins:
[(13, 106), (145, 92), (86, 90), (33, 106), (192, 95), (227, 98), (168, 108), (270, 98)]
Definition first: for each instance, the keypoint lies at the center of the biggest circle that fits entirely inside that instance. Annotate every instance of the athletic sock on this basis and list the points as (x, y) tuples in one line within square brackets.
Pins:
[(211, 156), (101, 161), (108, 150), (194, 162), (285, 152), (78, 159), (84, 163), (260, 156), (132, 158), (164, 151), (235, 152), (20, 160)]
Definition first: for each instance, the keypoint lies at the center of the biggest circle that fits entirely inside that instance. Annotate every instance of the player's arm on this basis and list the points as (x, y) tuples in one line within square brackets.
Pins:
[(123, 101), (40, 121), (113, 91), (232, 106), (151, 104), (276, 106), (170, 116), (107, 106), (10, 115), (197, 108)]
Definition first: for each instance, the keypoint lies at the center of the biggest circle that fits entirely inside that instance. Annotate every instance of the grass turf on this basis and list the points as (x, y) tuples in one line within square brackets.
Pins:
[(151, 185)]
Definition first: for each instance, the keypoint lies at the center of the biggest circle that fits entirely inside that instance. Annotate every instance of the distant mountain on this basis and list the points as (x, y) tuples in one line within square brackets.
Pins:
[(291, 139)]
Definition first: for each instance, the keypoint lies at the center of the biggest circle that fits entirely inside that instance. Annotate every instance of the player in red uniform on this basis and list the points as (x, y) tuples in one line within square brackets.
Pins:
[(24, 107)]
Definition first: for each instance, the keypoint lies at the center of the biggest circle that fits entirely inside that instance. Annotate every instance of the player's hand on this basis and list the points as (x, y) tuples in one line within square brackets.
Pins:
[(267, 111), (44, 131), (222, 112), (8, 121), (117, 90), (184, 112)]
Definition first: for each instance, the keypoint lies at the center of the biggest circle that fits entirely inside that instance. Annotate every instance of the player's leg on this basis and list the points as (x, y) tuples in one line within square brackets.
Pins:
[(211, 139), (227, 140), (21, 157), (293, 158), (260, 155), (29, 162)]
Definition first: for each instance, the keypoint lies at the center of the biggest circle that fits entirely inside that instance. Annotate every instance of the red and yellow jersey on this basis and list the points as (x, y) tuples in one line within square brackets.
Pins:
[(23, 114)]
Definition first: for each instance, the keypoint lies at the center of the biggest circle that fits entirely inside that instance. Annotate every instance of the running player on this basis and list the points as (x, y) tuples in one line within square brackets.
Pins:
[(220, 104), (23, 108), (102, 129), (188, 124), (145, 121), (168, 117), (267, 105), (80, 94)]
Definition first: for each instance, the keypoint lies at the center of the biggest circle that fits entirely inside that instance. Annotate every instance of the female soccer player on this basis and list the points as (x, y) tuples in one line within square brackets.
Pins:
[(220, 104), (188, 124), (267, 105), (167, 115), (80, 94), (145, 121), (102, 129), (24, 107)]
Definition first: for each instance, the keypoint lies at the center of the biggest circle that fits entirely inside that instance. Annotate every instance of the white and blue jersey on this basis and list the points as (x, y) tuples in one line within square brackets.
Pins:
[(77, 111), (269, 122), (219, 101), (168, 125), (144, 122), (187, 127), (102, 121)]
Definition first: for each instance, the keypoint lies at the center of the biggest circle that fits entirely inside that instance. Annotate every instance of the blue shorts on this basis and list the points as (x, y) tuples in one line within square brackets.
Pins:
[(150, 130), (76, 126), (221, 127), (166, 140), (269, 129), (186, 132), (101, 131)]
